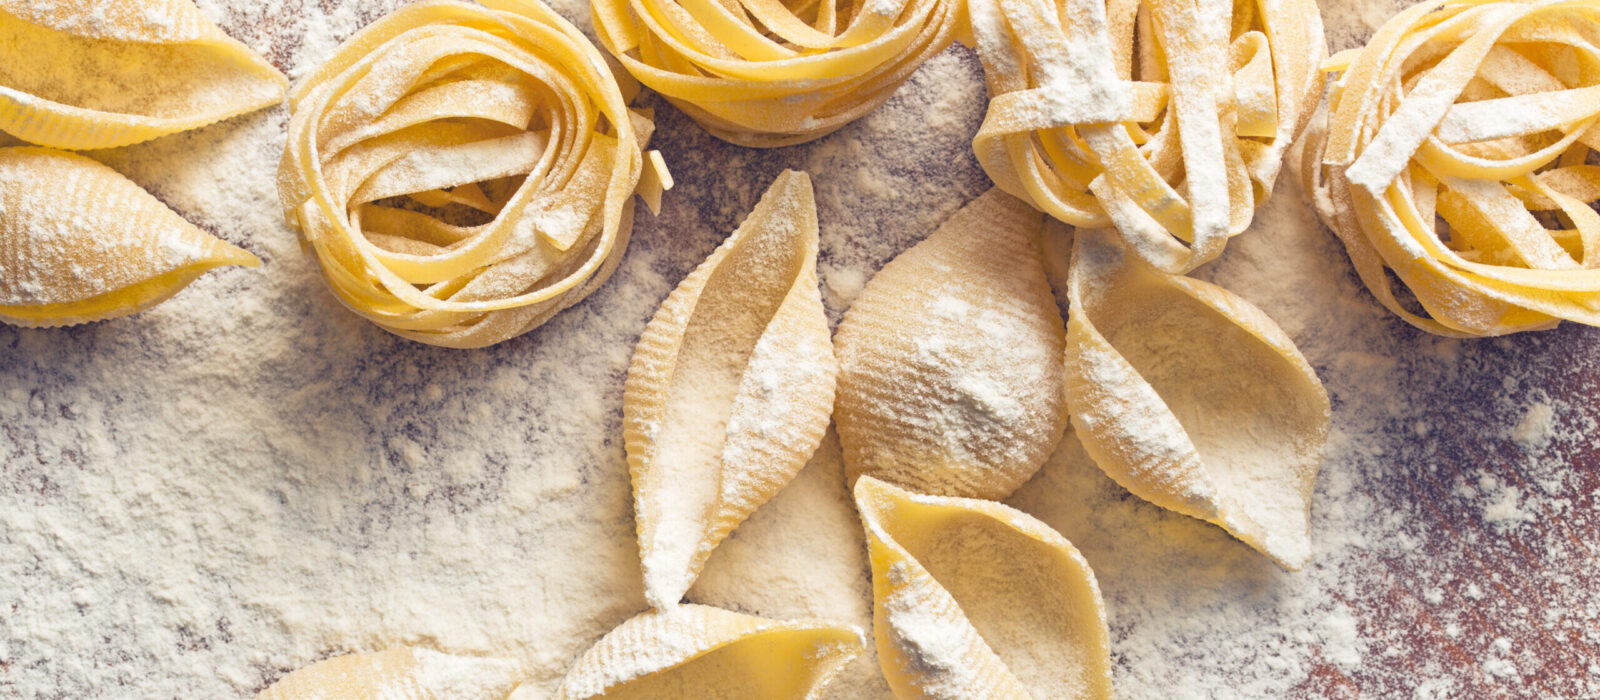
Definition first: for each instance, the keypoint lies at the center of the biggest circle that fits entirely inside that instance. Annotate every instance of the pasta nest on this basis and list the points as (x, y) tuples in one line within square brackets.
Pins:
[(771, 73), (1168, 119), (1459, 158), (463, 173)]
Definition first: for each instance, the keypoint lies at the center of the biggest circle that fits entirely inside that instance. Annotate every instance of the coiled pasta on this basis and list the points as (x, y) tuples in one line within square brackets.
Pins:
[(767, 73), (463, 173), (1168, 119), (1459, 156)]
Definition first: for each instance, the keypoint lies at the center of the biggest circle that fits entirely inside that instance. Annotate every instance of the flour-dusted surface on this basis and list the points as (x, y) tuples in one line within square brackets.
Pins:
[(247, 478)]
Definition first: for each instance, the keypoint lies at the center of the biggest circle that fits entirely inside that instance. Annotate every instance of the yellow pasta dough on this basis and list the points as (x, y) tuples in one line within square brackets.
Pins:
[(79, 242), (950, 359), (401, 673), (696, 652), (104, 73), (974, 600), (1167, 119), (766, 73), (1193, 399), (1459, 155), (730, 389), (463, 173)]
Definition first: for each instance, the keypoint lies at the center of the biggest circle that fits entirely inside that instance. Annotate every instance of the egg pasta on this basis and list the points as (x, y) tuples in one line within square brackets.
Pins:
[(1167, 119), (1459, 158), (462, 173), (82, 74)]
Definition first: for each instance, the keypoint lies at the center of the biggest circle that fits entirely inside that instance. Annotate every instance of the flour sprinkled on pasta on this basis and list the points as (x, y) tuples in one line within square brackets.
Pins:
[(200, 498)]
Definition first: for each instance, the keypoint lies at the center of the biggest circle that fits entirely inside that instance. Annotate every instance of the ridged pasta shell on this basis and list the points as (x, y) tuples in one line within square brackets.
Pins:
[(695, 652), (950, 359), (103, 73), (79, 242), (1460, 157), (1168, 119), (401, 673), (975, 600), (730, 389), (464, 173), (1193, 399), (765, 73)]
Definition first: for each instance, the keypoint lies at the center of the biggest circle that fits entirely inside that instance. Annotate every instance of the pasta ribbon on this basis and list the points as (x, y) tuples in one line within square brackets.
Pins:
[(950, 359), (974, 600), (401, 673), (765, 73), (1167, 119), (730, 389), (1459, 154), (79, 242), (696, 651), (85, 74), (1193, 399), (464, 173)]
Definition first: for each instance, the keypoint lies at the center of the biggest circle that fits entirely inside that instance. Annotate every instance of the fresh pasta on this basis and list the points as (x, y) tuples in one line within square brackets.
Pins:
[(766, 73), (730, 389), (974, 600), (400, 673), (950, 359), (463, 173), (79, 242), (1167, 119), (1459, 157), (1193, 399), (695, 651), (82, 74)]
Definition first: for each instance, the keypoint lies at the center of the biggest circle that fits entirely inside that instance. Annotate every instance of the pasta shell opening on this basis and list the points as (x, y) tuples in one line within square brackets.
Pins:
[(1193, 399)]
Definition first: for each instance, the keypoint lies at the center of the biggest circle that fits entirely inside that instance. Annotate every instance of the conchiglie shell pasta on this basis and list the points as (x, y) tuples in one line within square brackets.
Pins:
[(950, 372), (974, 600), (401, 673), (1461, 158), (696, 652), (765, 73), (730, 389), (1168, 119), (105, 73), (79, 242), (464, 173), (1193, 399)]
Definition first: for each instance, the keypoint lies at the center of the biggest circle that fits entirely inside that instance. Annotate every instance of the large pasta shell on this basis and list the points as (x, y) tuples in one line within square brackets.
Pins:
[(730, 389), (975, 600), (950, 371), (105, 73), (401, 673), (697, 652), (1193, 399), (80, 242)]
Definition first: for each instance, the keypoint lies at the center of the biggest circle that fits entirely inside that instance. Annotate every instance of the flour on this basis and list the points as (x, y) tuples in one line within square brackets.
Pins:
[(247, 478)]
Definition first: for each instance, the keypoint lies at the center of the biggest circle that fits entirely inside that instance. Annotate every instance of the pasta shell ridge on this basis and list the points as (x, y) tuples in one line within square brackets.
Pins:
[(730, 389), (696, 651), (79, 242), (976, 600), (399, 673), (950, 371), (84, 75), (1193, 399)]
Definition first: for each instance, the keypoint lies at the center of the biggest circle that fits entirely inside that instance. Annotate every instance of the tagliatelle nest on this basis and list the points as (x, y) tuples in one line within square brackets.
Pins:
[(1459, 156), (462, 174), (1168, 119), (767, 73)]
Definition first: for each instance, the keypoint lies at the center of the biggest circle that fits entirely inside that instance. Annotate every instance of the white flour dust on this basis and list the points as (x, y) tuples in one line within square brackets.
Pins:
[(247, 478)]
